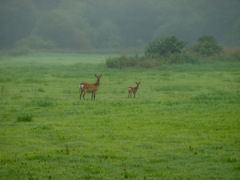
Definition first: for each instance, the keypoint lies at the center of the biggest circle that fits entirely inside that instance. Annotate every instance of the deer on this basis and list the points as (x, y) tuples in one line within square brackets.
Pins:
[(133, 90), (85, 87)]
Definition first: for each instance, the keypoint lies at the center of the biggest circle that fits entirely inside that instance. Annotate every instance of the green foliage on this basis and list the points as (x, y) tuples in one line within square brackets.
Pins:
[(19, 50), (149, 62), (207, 45), (123, 61), (76, 24), (164, 47), (42, 102), (57, 28), (228, 55), (17, 21), (24, 118), (30, 44), (232, 54), (35, 42), (180, 58), (168, 50)]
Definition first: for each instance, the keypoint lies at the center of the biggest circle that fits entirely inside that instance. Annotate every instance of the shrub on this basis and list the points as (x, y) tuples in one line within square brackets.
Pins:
[(181, 58), (168, 50), (123, 61), (150, 62), (207, 45), (233, 54), (165, 47)]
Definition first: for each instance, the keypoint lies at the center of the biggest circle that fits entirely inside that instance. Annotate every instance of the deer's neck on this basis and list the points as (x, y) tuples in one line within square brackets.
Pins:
[(98, 82)]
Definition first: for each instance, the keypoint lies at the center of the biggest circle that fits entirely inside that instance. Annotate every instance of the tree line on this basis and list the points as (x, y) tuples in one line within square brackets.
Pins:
[(86, 24), (170, 50)]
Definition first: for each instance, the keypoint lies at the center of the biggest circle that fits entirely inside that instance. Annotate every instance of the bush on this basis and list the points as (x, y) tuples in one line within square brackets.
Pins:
[(123, 61), (165, 47), (180, 58), (233, 53), (150, 63), (207, 46)]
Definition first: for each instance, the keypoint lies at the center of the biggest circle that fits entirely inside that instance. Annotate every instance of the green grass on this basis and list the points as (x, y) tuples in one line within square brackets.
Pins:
[(25, 118), (183, 124)]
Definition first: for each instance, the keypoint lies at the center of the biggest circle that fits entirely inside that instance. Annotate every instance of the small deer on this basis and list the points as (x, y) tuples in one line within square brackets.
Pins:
[(133, 90), (85, 87)]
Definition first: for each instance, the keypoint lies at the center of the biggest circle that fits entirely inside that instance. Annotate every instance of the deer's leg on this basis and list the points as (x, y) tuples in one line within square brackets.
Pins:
[(81, 93), (84, 95), (92, 96), (134, 94)]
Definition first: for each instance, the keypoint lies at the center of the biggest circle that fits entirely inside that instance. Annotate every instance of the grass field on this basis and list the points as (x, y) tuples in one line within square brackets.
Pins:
[(183, 124)]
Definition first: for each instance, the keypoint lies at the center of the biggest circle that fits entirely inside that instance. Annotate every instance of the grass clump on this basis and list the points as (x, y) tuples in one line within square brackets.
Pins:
[(42, 102), (25, 118)]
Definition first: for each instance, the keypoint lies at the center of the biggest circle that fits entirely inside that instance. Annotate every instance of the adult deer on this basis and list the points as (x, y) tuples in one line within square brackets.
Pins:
[(133, 90), (85, 87)]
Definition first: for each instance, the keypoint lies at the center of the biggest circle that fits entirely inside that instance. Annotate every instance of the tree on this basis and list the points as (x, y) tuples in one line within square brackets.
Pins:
[(17, 19), (56, 27), (165, 46), (207, 45)]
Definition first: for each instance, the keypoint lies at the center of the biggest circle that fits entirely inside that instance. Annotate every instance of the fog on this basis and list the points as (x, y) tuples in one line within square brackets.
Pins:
[(88, 24)]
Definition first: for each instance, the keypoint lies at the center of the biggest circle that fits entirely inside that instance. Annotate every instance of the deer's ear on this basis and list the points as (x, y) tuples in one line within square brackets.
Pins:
[(95, 75), (100, 75)]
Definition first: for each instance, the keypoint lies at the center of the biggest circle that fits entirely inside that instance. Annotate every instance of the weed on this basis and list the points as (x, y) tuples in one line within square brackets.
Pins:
[(237, 167), (40, 90), (231, 159)]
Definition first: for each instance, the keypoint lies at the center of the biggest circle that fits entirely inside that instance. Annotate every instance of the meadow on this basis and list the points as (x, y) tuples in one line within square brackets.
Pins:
[(183, 124)]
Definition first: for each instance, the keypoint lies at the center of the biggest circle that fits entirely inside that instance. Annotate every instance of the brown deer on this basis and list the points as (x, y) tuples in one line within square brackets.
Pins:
[(133, 90), (85, 87)]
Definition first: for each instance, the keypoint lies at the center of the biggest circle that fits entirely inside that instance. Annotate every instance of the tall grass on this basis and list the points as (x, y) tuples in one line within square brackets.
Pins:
[(24, 118)]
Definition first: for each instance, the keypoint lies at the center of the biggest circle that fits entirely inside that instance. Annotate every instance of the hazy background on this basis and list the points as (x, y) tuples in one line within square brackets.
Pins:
[(98, 24)]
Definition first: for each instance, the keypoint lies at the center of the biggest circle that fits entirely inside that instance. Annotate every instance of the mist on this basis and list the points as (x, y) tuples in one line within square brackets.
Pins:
[(103, 24)]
